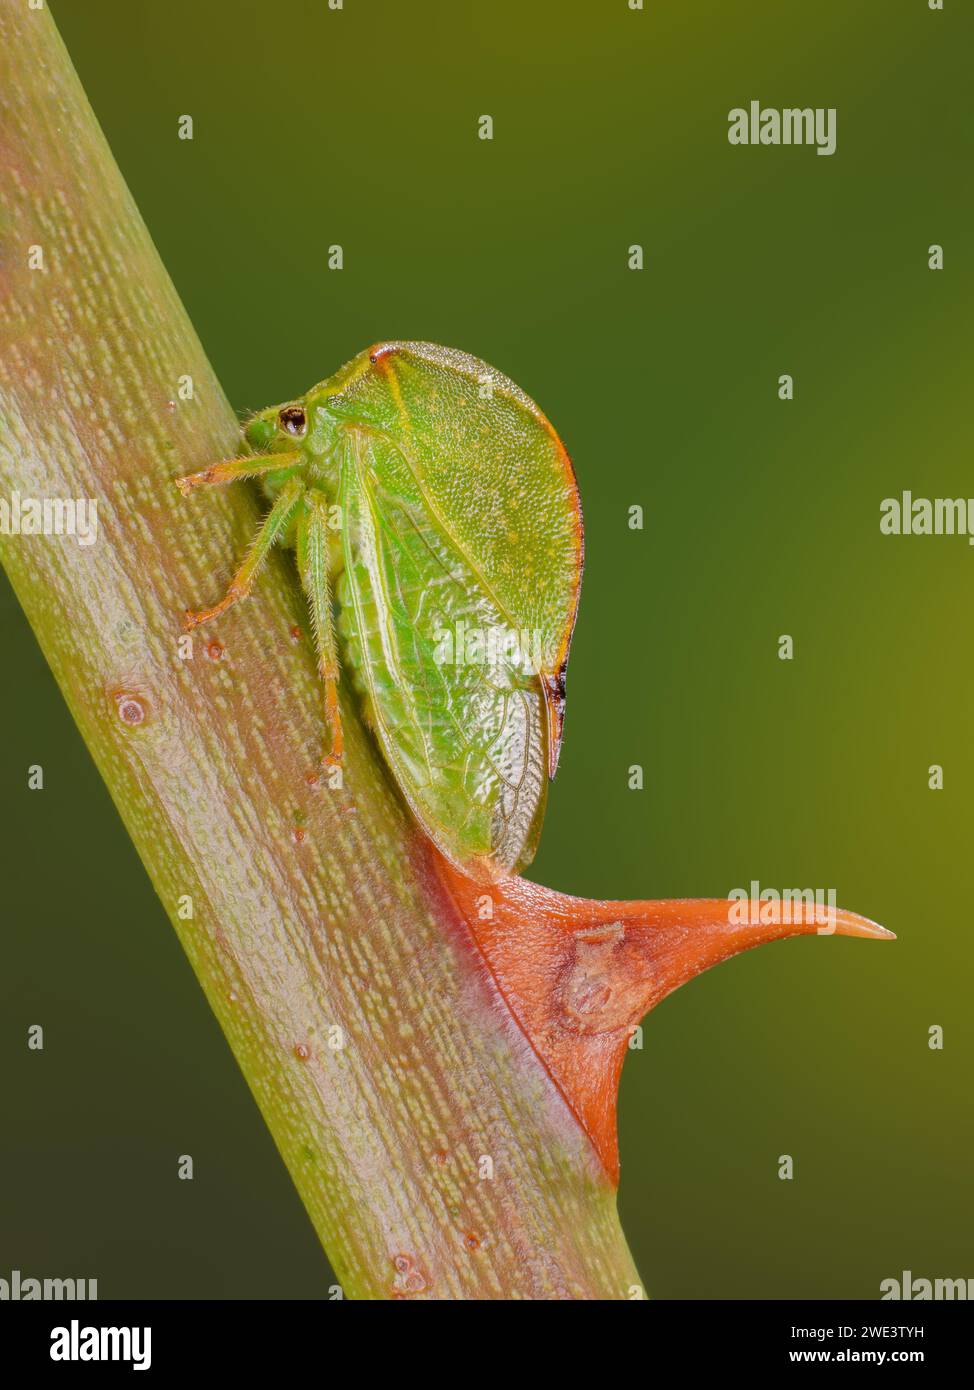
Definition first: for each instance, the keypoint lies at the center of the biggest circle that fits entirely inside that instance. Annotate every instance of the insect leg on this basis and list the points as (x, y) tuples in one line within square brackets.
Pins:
[(271, 528), (231, 469), (313, 565)]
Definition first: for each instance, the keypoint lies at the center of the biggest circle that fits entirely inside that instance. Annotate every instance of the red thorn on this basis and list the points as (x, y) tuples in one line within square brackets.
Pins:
[(579, 974)]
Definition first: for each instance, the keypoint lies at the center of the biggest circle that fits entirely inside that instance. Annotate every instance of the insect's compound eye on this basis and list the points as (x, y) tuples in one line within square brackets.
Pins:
[(293, 419)]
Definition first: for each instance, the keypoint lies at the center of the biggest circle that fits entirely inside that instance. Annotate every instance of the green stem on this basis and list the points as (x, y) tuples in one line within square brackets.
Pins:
[(313, 922)]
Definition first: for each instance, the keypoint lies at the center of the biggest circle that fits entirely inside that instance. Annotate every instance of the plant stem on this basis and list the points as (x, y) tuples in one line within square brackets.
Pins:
[(432, 1151)]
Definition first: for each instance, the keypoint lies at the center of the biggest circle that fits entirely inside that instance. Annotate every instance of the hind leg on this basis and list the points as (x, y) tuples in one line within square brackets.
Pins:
[(313, 563)]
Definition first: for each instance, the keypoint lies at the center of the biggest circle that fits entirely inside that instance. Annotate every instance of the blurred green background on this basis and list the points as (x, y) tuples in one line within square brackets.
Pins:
[(359, 127)]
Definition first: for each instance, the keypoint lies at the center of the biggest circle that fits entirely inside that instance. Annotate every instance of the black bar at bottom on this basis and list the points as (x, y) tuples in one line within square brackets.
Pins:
[(169, 1339)]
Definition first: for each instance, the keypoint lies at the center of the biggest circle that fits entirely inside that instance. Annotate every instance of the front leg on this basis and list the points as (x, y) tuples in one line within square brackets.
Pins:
[(232, 470), (273, 526)]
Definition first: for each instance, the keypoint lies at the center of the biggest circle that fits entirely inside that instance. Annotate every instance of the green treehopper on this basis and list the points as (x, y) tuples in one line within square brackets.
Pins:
[(431, 502)]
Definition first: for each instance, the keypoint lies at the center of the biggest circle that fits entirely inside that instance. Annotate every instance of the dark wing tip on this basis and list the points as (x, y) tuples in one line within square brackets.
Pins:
[(553, 688)]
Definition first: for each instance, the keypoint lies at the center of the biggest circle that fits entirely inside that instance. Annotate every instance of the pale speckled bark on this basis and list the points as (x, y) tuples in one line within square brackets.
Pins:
[(290, 936)]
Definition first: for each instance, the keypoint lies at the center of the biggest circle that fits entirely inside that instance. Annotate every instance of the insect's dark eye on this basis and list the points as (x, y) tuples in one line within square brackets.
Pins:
[(293, 419)]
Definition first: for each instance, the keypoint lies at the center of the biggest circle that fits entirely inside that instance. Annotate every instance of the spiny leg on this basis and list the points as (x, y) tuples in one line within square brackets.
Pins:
[(271, 528), (230, 470), (313, 564)]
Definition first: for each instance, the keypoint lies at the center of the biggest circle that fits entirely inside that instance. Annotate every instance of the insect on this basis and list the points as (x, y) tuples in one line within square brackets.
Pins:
[(438, 534)]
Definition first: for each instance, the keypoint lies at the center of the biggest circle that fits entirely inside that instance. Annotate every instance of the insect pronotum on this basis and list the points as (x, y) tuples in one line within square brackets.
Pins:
[(431, 503)]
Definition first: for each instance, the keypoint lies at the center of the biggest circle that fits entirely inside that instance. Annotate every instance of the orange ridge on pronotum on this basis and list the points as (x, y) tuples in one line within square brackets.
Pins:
[(579, 974)]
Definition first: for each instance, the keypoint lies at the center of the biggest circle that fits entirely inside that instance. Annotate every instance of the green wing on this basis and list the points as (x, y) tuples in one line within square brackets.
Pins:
[(462, 514), (459, 715)]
